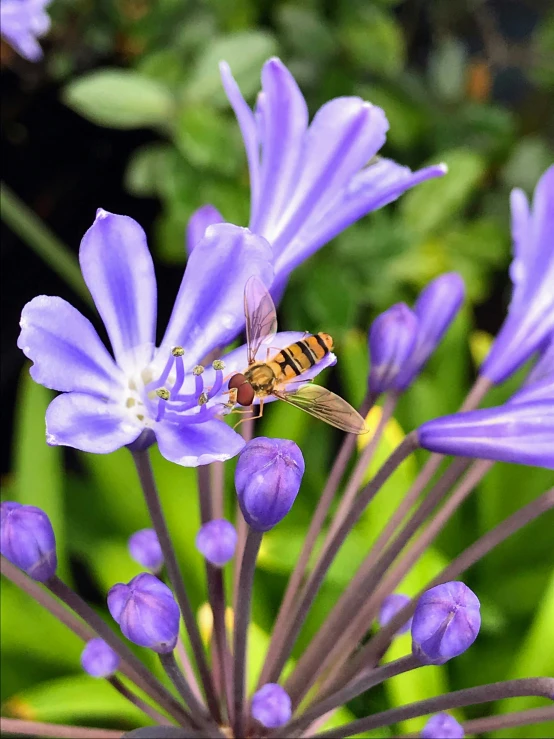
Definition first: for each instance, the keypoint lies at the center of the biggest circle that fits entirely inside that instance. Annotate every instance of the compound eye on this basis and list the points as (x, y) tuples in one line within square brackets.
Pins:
[(245, 394), (236, 381)]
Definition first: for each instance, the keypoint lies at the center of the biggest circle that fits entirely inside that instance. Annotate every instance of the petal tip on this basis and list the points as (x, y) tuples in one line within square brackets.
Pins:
[(101, 214), (443, 167)]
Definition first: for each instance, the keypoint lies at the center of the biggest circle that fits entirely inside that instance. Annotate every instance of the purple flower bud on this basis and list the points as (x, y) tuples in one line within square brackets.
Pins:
[(145, 549), (199, 221), (217, 540), (446, 622), (27, 540), (392, 338), (267, 479), (435, 310), (146, 612), (99, 659), (271, 706), (517, 432), (442, 726), (390, 607)]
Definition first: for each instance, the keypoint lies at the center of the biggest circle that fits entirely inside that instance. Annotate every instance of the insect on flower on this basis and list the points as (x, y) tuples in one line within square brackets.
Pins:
[(273, 375)]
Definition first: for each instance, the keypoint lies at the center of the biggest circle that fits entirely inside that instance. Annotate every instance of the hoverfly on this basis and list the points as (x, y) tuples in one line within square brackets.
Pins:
[(273, 376)]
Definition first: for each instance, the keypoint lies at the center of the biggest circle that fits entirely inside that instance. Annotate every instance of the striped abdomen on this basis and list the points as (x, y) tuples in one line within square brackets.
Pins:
[(300, 356)]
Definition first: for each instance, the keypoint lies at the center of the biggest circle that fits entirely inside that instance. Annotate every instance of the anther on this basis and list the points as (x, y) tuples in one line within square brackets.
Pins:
[(162, 393), (218, 364), (202, 398), (177, 351), (197, 370)]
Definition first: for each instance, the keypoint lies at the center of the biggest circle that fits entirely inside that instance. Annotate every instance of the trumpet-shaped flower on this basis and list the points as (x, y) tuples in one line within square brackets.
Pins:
[(310, 182), (22, 22), (530, 317), (146, 394)]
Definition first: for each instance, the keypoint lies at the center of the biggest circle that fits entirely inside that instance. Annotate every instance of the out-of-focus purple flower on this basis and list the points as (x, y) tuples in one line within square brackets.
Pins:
[(22, 22), (99, 659), (531, 313), (27, 540), (146, 394), (146, 611), (392, 338), (310, 182), (217, 541), (205, 216), (544, 366), (390, 607), (145, 549), (442, 726), (267, 479), (435, 309), (271, 706), (517, 432), (445, 623)]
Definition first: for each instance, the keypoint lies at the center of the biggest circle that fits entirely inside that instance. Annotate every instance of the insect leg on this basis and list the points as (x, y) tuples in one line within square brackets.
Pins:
[(251, 418)]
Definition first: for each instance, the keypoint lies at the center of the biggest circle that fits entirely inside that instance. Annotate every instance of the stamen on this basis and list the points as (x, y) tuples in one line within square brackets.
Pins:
[(197, 370), (216, 387), (161, 409), (162, 393), (202, 398), (179, 373), (218, 364), (163, 377)]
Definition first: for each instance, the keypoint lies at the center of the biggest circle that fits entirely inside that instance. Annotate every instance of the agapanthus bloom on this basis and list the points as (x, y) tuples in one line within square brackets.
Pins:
[(531, 314), (22, 22), (311, 181)]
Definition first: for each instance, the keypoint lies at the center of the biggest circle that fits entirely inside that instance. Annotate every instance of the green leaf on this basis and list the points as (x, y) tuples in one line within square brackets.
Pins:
[(447, 69), (38, 467), (304, 31), (435, 202), (206, 139), (244, 51), (120, 98), (407, 121), (373, 40), (147, 170)]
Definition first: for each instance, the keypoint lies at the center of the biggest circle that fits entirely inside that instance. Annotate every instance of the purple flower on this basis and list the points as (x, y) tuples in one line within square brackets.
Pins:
[(390, 607), (309, 183), (217, 541), (22, 22), (271, 706), (145, 549), (267, 479), (146, 394), (522, 433), (531, 313), (392, 338), (205, 216), (539, 384), (435, 309), (445, 623), (146, 611), (442, 726), (99, 659), (27, 540)]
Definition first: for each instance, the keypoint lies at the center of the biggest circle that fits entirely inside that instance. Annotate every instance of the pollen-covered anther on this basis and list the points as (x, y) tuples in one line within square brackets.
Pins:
[(218, 364), (197, 370), (202, 398), (162, 393), (177, 351)]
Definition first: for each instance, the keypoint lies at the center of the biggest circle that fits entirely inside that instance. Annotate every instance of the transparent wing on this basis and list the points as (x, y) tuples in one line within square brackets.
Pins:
[(261, 316), (325, 405)]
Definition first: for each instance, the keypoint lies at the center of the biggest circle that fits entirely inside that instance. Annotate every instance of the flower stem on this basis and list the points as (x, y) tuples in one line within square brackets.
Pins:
[(131, 668), (352, 690), (57, 731), (27, 225), (183, 688), (138, 702), (317, 576), (242, 619), (509, 720), (247, 432), (144, 470), (318, 519), (187, 668), (534, 686)]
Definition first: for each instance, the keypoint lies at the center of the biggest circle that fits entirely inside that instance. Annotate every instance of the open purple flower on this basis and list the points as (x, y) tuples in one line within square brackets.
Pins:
[(310, 182), (22, 22), (531, 314), (146, 394)]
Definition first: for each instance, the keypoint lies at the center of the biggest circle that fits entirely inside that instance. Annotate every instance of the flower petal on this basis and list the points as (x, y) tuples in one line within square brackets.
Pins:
[(66, 350), (195, 444), (284, 123), (248, 128), (344, 135), (90, 424), (119, 273), (199, 221), (209, 309)]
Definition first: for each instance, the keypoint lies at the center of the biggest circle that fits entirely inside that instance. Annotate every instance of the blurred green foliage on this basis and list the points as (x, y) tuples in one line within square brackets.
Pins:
[(137, 63)]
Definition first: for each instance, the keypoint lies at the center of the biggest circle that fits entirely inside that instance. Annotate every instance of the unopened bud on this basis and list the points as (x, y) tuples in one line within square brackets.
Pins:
[(271, 706), (145, 549), (217, 540), (442, 726), (99, 659), (27, 540)]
